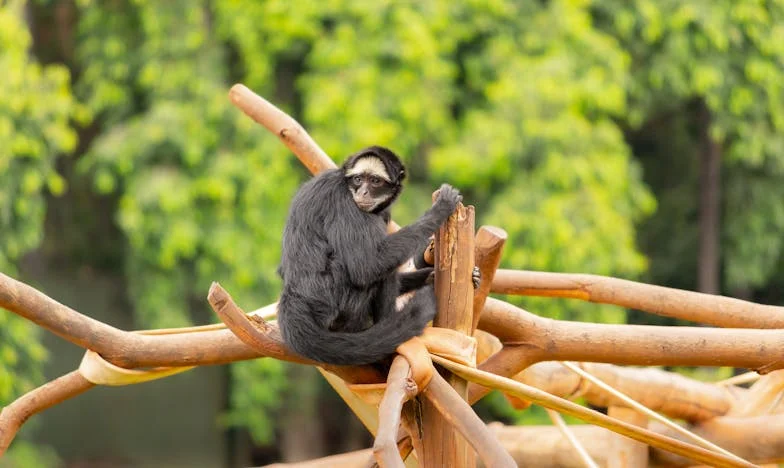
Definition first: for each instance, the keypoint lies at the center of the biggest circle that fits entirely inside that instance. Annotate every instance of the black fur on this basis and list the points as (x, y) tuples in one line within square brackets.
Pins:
[(339, 269)]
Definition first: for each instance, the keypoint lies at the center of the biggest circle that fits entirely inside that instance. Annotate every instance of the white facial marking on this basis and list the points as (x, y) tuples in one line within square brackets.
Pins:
[(369, 165)]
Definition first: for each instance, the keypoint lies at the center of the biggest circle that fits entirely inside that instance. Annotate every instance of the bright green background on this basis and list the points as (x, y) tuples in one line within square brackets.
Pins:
[(572, 124)]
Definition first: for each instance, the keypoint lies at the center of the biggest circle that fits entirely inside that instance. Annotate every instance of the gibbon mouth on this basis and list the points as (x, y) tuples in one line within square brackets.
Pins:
[(365, 203)]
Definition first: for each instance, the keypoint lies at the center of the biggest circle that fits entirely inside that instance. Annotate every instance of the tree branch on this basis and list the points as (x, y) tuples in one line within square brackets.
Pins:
[(654, 388), (590, 416), (400, 389), (488, 247), (283, 126), (131, 350), (460, 415), (44, 397), (668, 302), (529, 338)]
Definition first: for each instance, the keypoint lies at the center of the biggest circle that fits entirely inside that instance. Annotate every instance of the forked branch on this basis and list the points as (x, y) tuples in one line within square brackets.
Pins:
[(528, 339)]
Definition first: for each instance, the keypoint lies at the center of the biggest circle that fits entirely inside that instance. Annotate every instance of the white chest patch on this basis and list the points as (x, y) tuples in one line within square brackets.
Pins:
[(369, 165)]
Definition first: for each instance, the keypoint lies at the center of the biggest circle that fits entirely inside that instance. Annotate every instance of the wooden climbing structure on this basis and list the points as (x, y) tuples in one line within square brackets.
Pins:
[(420, 410)]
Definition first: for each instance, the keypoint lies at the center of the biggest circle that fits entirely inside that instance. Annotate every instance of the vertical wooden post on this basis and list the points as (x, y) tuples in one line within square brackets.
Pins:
[(454, 261), (489, 244), (625, 452)]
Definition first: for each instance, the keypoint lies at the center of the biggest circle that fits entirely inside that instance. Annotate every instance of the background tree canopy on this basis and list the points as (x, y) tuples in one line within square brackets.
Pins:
[(586, 129)]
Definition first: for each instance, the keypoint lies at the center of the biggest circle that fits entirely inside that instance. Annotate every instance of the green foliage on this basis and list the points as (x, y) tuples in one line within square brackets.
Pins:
[(525, 106), (263, 383), (23, 454), (469, 96), (753, 238), (202, 197), (542, 155), (35, 108), (727, 54)]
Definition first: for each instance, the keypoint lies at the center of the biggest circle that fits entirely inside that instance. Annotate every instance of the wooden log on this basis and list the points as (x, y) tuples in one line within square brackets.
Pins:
[(697, 401), (625, 452), (488, 245), (532, 339), (454, 261), (668, 302)]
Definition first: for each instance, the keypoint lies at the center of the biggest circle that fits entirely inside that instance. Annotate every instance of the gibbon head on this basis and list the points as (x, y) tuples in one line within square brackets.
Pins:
[(374, 177)]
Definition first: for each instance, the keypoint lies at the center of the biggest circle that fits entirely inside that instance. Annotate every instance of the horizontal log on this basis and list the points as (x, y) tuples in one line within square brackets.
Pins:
[(709, 309)]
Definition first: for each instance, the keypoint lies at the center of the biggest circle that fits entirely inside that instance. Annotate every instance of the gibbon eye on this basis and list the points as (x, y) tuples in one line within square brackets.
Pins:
[(376, 181), (357, 180)]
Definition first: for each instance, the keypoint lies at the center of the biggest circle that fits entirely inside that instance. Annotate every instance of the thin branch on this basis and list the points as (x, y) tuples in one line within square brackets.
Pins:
[(647, 411), (17, 413), (670, 393), (559, 422), (759, 438), (668, 302), (457, 412), (283, 126), (590, 416), (131, 350), (400, 389), (61, 320), (747, 377)]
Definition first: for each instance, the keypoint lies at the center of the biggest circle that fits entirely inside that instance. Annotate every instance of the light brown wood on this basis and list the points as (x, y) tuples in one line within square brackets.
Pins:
[(488, 247), (654, 388), (668, 302), (529, 339), (17, 413), (762, 397), (625, 452), (455, 411), (400, 389), (590, 416), (283, 126), (454, 261)]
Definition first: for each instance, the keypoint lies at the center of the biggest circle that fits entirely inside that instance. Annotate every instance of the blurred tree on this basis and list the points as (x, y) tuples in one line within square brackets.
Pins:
[(543, 113), (538, 148), (35, 107), (200, 196), (719, 64)]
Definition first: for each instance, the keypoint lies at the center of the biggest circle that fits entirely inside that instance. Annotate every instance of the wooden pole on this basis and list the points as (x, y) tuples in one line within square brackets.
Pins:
[(454, 261), (489, 245)]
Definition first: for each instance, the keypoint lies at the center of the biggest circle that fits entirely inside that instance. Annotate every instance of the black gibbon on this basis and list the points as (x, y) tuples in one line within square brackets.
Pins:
[(339, 265)]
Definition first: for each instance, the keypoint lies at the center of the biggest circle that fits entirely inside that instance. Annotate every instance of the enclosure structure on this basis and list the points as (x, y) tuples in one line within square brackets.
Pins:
[(420, 413)]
